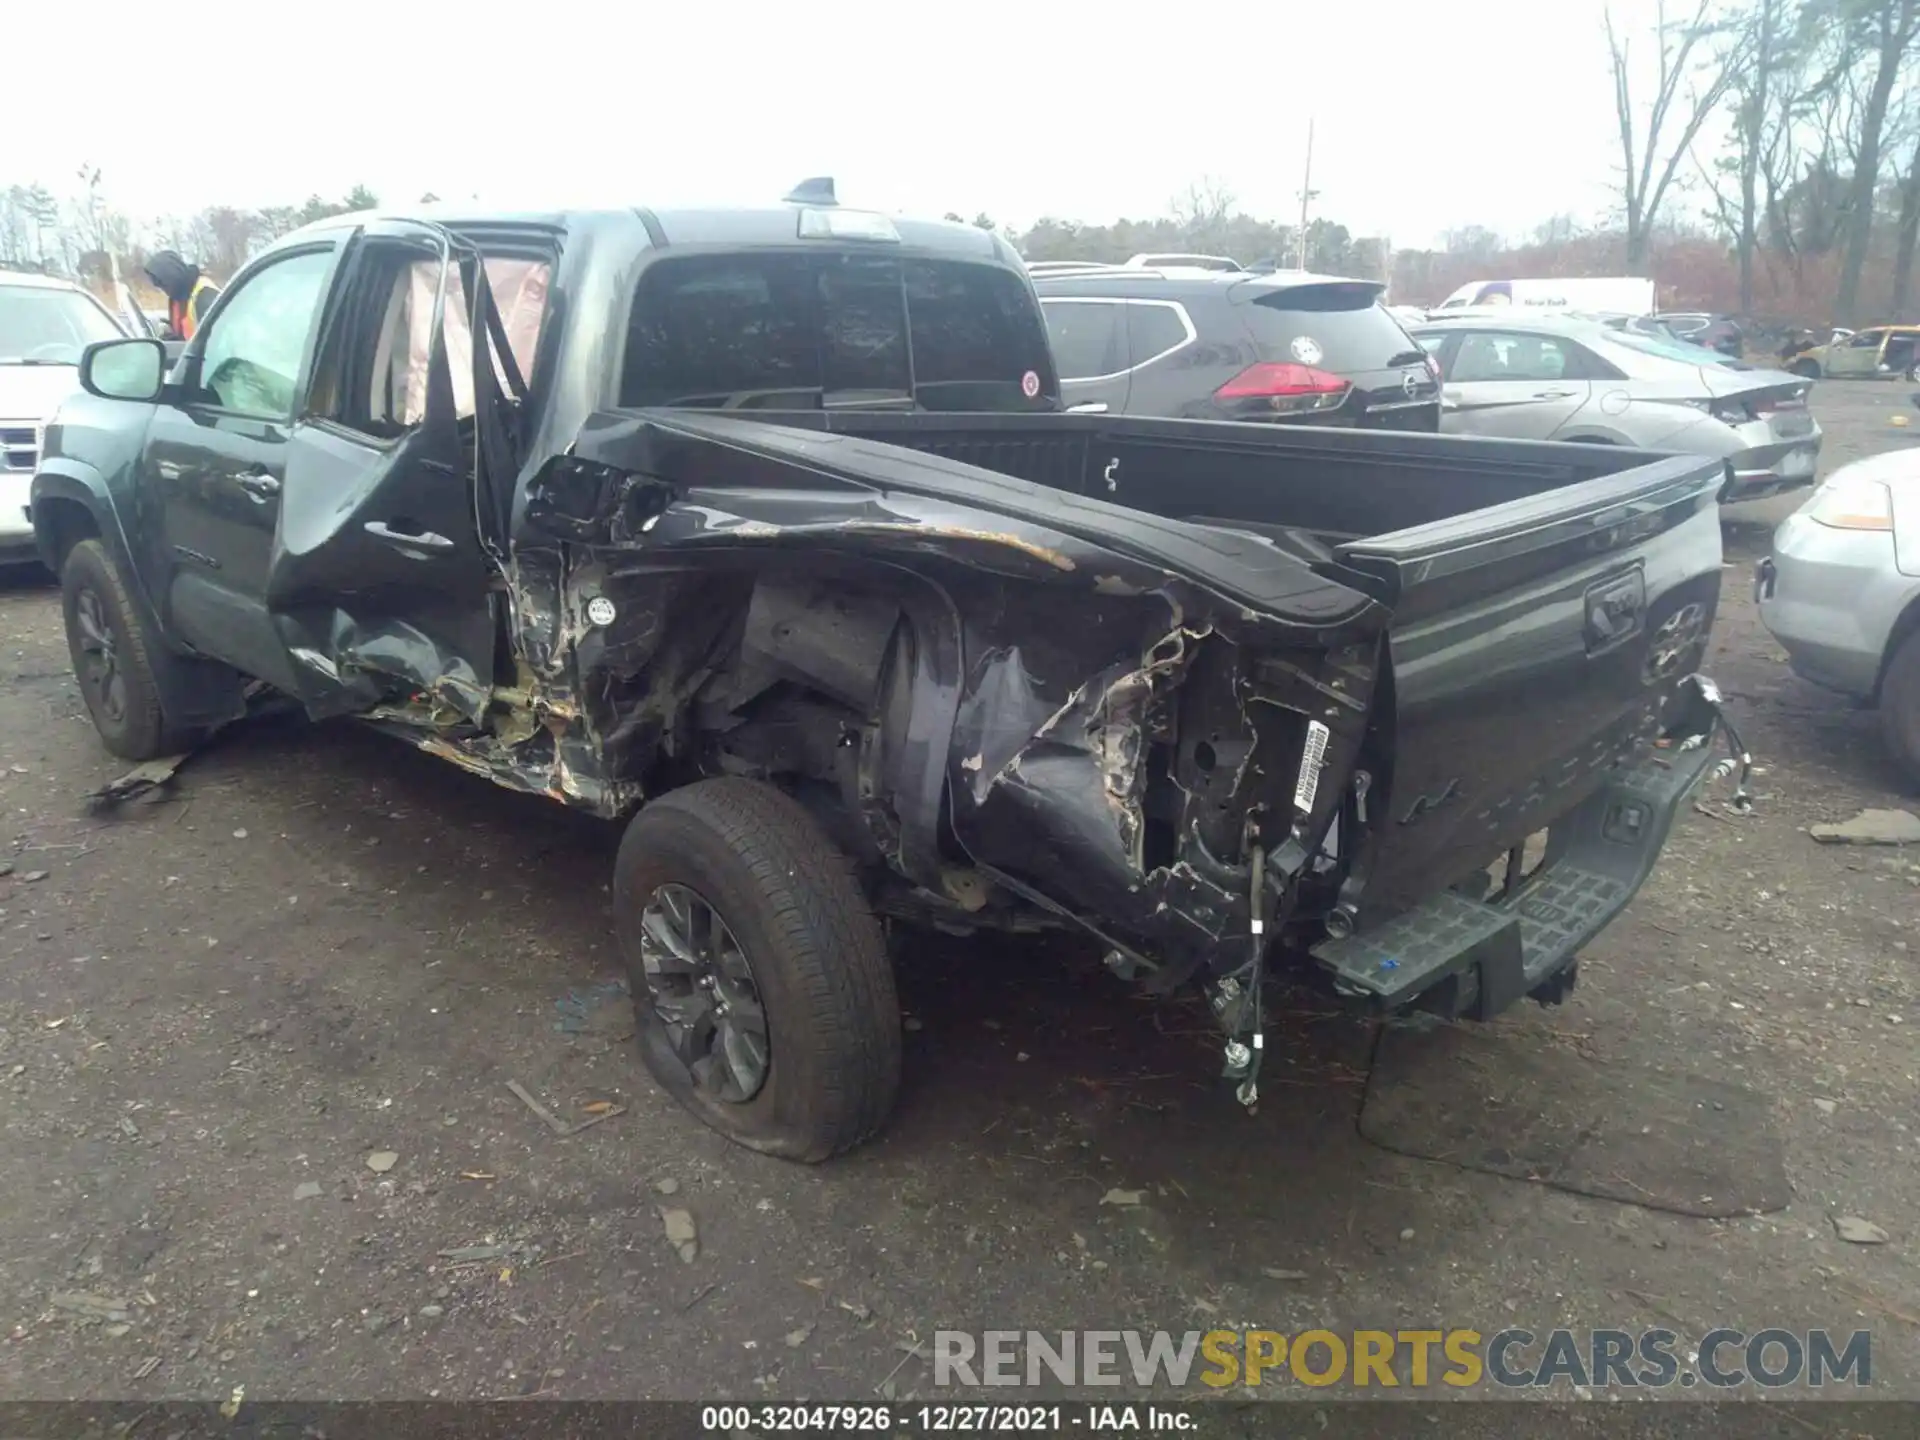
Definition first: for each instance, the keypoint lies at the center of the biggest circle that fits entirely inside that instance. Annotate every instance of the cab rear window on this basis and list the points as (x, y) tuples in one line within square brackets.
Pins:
[(1344, 325), (781, 330)]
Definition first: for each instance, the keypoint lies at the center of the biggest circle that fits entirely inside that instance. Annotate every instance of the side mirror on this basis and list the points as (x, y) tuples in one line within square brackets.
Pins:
[(124, 369)]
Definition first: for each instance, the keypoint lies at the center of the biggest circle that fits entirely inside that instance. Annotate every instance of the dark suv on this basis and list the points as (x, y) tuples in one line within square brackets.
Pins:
[(1287, 347), (1700, 327)]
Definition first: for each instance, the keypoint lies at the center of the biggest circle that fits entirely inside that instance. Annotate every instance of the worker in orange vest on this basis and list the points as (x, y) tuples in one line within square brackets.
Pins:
[(189, 293)]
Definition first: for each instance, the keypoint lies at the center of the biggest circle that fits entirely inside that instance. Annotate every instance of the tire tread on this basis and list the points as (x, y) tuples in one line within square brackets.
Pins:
[(1900, 707), (148, 735), (831, 943)]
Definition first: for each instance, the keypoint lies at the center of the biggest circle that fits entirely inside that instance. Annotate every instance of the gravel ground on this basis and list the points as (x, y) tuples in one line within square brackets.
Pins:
[(255, 1045)]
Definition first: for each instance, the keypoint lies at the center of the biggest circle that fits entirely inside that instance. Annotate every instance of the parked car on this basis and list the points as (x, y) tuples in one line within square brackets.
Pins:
[(1699, 327), (1290, 347), (1841, 592), (45, 325), (770, 519), (1537, 377), (1877, 353), (1640, 325)]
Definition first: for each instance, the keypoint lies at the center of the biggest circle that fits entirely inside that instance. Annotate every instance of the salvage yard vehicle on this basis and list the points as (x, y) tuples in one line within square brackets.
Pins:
[(1290, 348), (766, 528), (1841, 593), (1720, 333), (1573, 378), (1878, 353), (45, 324)]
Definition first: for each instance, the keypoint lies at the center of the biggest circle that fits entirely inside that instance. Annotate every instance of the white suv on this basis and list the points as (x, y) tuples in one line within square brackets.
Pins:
[(44, 325)]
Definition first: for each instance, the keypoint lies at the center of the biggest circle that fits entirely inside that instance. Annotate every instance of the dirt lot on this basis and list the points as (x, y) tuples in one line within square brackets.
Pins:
[(213, 1011)]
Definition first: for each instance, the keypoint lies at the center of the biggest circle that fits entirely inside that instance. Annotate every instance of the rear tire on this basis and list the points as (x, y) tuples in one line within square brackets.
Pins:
[(1805, 369), (1900, 707), (783, 936), (113, 659)]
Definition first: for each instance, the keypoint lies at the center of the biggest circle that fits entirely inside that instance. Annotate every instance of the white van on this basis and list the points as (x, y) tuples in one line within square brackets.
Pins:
[(1612, 295)]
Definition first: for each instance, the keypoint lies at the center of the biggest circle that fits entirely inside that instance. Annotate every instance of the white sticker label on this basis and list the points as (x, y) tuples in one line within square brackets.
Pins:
[(1312, 757), (600, 610), (1030, 384), (1307, 350)]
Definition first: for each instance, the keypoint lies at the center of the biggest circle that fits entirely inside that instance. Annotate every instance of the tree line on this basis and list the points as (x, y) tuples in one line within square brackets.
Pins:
[(1767, 163), (81, 235)]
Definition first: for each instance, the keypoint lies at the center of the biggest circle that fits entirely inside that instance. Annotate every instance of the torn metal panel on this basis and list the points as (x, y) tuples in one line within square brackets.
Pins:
[(1113, 742), (1137, 797)]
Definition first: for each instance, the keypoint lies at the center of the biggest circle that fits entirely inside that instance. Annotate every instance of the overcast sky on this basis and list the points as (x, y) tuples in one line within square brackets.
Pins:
[(1429, 113)]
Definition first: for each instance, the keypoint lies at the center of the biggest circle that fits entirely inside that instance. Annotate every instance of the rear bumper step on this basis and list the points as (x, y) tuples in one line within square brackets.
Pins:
[(1470, 958)]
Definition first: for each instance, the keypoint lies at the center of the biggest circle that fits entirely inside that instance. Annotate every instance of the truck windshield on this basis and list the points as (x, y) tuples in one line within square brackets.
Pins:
[(781, 330), (46, 326)]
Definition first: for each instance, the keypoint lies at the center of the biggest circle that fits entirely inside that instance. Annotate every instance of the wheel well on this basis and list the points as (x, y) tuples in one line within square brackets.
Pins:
[(63, 524), (1806, 369), (1906, 625)]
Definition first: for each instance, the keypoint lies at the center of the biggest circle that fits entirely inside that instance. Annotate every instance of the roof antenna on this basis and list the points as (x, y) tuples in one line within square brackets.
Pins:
[(817, 190)]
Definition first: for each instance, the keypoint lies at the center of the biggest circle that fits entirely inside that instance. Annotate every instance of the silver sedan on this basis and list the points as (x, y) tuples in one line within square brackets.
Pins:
[(1529, 376), (1841, 592)]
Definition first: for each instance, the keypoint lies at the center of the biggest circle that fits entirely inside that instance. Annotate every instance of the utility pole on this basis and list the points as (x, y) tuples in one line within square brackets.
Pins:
[(1307, 193)]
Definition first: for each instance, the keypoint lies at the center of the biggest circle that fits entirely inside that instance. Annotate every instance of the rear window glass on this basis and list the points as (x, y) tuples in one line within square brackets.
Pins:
[(779, 330), (1342, 324), (1681, 350)]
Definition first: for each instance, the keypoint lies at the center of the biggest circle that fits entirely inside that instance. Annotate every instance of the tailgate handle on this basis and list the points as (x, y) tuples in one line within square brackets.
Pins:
[(1615, 609)]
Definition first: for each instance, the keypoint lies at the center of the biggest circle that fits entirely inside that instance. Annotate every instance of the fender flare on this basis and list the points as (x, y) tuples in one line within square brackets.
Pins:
[(194, 691), (66, 480)]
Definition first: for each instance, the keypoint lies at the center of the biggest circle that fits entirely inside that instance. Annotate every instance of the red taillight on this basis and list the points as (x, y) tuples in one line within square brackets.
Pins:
[(1287, 388)]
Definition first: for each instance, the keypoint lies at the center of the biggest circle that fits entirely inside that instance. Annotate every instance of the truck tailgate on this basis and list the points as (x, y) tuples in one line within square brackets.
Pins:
[(1535, 645)]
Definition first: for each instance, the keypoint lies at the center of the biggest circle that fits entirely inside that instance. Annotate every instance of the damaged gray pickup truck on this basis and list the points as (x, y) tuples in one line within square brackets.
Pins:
[(768, 528)]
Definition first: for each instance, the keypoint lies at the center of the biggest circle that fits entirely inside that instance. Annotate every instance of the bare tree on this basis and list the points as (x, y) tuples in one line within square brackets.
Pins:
[(1202, 213), (1475, 240), (1893, 26), (1556, 229), (1759, 69), (1687, 87), (1907, 230)]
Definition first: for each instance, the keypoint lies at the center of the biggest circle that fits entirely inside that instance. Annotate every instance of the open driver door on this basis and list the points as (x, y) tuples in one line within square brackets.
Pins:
[(384, 580)]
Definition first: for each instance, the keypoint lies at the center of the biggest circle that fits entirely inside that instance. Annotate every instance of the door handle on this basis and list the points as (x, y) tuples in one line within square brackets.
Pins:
[(1551, 394), (259, 485), (401, 540), (1089, 407)]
